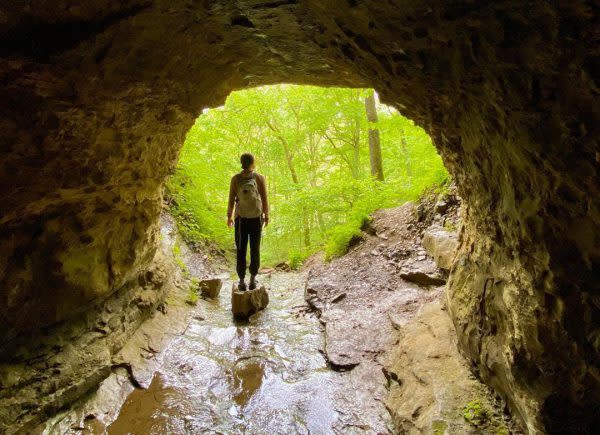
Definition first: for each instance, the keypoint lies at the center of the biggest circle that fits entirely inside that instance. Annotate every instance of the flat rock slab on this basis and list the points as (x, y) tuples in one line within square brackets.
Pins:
[(210, 288), (245, 303), (422, 277)]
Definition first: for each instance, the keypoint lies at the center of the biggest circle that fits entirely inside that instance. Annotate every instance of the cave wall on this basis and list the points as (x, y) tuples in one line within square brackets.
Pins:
[(97, 97)]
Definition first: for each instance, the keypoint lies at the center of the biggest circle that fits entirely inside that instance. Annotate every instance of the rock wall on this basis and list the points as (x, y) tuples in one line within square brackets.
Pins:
[(96, 99)]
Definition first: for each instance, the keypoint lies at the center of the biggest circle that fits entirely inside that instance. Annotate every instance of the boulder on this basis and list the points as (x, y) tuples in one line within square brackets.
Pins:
[(441, 245), (210, 288), (246, 303)]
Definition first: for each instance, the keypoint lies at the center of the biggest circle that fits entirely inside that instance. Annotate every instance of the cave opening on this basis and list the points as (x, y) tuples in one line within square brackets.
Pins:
[(320, 154), (96, 101)]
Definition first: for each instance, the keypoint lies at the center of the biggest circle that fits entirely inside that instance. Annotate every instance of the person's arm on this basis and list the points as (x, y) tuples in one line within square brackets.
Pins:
[(231, 202), (262, 191)]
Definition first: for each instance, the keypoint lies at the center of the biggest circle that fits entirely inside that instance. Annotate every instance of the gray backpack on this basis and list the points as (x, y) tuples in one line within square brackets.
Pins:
[(249, 203)]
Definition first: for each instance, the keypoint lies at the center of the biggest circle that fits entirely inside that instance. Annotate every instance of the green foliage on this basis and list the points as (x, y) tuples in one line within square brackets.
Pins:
[(295, 259), (192, 297), (179, 259), (475, 413), (312, 145), (340, 238)]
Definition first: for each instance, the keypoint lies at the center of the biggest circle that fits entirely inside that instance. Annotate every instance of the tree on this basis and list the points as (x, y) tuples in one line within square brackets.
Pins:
[(374, 142)]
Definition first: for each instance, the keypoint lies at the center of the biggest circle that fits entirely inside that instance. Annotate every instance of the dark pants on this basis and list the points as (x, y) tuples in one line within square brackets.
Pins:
[(247, 229)]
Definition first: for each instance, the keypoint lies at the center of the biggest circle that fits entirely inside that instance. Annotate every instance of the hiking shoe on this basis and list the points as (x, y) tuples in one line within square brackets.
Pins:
[(242, 286), (253, 284)]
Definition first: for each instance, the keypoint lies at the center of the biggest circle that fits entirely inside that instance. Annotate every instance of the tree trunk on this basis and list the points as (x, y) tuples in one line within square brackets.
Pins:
[(289, 161), (374, 142), (356, 160), (405, 153), (306, 228)]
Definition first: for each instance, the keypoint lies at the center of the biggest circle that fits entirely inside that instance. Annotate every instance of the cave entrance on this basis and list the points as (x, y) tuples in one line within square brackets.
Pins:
[(331, 157), (99, 96)]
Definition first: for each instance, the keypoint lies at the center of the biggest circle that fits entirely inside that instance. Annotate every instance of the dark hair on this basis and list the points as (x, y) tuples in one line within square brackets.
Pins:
[(246, 160)]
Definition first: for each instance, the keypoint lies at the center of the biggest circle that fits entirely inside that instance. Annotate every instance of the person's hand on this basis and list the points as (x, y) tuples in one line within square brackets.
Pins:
[(229, 222), (266, 220)]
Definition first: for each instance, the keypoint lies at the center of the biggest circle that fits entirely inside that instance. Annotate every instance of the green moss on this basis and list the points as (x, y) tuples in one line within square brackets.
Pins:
[(475, 413), (502, 429), (449, 226), (179, 259), (192, 297), (439, 427)]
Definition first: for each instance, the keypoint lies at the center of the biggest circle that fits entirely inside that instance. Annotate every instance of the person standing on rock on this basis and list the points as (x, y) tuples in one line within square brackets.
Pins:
[(248, 197)]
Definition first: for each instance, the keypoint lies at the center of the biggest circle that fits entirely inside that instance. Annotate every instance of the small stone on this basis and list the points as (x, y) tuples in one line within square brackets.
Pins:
[(441, 245), (283, 266), (338, 297), (375, 252), (210, 288)]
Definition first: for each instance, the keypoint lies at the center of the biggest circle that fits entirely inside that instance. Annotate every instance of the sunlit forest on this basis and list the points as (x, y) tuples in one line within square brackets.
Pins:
[(331, 156)]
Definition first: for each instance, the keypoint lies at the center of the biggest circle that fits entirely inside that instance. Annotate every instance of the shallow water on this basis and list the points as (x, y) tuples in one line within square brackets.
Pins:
[(264, 376)]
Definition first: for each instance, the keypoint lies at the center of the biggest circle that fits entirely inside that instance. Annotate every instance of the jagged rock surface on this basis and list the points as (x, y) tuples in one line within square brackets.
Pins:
[(422, 276), (97, 97), (430, 385), (73, 357)]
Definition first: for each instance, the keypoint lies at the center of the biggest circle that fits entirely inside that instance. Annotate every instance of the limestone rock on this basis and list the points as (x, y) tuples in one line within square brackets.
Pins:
[(246, 303), (210, 288), (80, 352), (422, 277), (430, 382), (441, 245)]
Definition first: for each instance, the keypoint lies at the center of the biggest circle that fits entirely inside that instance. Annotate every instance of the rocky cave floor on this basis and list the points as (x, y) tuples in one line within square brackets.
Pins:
[(361, 344)]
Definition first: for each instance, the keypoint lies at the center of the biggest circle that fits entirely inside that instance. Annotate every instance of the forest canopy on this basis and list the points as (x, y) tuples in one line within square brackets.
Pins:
[(331, 156)]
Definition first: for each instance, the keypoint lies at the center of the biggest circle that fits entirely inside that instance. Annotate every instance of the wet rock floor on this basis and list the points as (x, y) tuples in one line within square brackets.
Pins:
[(379, 345), (265, 376)]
